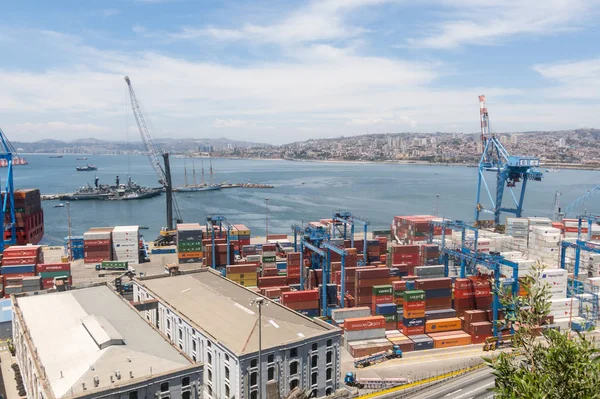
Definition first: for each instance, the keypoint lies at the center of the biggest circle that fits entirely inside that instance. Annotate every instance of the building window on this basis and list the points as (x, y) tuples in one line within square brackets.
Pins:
[(226, 373), (209, 391), (328, 373), (314, 360), (133, 395), (328, 391), (226, 357), (186, 395), (253, 363), (164, 387), (194, 345), (226, 390), (293, 368), (313, 378), (168, 324), (293, 352), (313, 393), (185, 381), (315, 346), (293, 384), (180, 333), (209, 358), (253, 379), (169, 336), (254, 395), (194, 358), (271, 373), (209, 344), (181, 346), (329, 343), (209, 375), (270, 359), (329, 357)]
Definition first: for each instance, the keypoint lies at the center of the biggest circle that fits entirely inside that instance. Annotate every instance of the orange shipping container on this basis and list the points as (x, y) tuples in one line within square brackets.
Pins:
[(440, 325), (449, 340), (414, 314)]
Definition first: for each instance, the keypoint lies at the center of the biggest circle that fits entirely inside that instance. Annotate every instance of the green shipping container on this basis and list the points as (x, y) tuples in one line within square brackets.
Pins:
[(390, 318), (190, 249), (413, 296), (114, 264), (398, 294), (269, 259), (380, 290), (54, 274), (188, 244)]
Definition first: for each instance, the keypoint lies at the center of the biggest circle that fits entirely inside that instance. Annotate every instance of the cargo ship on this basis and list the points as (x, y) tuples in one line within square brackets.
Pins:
[(203, 186), (86, 168), (129, 191), (55, 156)]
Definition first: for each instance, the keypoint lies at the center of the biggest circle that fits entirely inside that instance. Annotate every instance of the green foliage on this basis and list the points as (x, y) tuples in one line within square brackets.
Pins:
[(544, 364)]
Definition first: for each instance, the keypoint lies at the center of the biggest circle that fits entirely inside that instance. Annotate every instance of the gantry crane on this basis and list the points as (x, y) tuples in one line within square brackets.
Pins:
[(8, 197), (510, 170), (211, 222), (163, 174), (346, 218), (560, 213)]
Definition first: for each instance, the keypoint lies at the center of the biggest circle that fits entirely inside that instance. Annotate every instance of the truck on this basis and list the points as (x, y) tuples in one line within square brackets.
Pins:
[(114, 265), (373, 383), (365, 361)]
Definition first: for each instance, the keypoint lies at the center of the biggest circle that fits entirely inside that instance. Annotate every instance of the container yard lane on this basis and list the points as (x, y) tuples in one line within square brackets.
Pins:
[(476, 385)]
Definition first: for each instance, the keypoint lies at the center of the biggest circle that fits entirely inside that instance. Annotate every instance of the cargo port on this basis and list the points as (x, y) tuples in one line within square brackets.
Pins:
[(358, 310)]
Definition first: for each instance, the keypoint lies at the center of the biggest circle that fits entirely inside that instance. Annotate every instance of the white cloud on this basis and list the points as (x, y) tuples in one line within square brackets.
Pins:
[(109, 12), (488, 22), (572, 79), (219, 123), (320, 20), (56, 129), (396, 121)]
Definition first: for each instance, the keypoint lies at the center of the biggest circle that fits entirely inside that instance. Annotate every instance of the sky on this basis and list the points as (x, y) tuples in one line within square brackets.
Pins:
[(277, 71)]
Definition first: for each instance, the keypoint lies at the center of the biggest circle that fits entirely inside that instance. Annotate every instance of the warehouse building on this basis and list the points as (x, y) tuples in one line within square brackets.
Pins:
[(91, 343), (212, 319)]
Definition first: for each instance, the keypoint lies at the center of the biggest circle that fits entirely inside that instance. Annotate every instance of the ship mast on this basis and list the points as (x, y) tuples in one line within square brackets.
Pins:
[(185, 174), (194, 172), (212, 180), (203, 173)]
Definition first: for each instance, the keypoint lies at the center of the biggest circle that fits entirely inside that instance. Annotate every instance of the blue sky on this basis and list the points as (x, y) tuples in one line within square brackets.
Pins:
[(280, 71)]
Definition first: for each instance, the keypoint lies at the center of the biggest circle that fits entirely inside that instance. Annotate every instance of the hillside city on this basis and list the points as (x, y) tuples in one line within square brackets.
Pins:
[(556, 147)]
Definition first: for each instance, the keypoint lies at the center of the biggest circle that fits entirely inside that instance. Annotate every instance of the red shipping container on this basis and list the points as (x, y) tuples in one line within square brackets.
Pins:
[(463, 294), (482, 292), (438, 303), (463, 284), (364, 323), (53, 267), (416, 305), (29, 260), (22, 250), (464, 303), (399, 285), (418, 330), (299, 296), (271, 281), (382, 299), (479, 282), (303, 305), (433, 283), (372, 273), (272, 272)]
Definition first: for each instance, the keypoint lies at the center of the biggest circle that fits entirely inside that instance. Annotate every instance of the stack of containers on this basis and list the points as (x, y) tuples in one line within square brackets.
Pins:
[(450, 339), (271, 281), (398, 288), (293, 267), (438, 292), (544, 244), (413, 321), (556, 280), (430, 254), (482, 291), (564, 310), (97, 244), (518, 228), (220, 253), (363, 328), (304, 302), (339, 315), (126, 244), (366, 279), (464, 298), (331, 295), (243, 236), (397, 338), (19, 262), (249, 250), (405, 258), (591, 263), (49, 271), (382, 304), (77, 247), (269, 256), (189, 243), (422, 342), (29, 217), (443, 325), (373, 254), (245, 275)]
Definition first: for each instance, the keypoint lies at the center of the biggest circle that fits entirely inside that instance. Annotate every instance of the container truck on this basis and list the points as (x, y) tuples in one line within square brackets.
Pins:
[(365, 361), (114, 265), (373, 383)]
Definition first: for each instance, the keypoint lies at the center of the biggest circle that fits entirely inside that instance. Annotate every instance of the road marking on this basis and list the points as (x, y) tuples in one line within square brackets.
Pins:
[(452, 393), (475, 390)]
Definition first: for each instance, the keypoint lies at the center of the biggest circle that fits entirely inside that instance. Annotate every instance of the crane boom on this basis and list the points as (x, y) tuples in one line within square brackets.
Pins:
[(153, 154)]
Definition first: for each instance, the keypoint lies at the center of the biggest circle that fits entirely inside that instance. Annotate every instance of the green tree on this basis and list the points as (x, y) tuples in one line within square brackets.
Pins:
[(543, 363)]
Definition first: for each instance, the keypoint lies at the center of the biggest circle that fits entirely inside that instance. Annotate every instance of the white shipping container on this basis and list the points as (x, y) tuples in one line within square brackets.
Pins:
[(364, 334), (339, 315)]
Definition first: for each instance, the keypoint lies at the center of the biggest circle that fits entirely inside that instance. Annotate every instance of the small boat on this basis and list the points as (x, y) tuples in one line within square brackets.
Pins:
[(552, 170), (86, 168), (82, 159), (61, 205), (55, 156), (144, 227)]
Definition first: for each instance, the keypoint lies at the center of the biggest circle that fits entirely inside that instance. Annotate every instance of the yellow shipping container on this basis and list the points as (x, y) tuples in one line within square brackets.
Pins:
[(246, 283), (241, 276), (451, 340), (188, 255), (399, 301), (442, 325)]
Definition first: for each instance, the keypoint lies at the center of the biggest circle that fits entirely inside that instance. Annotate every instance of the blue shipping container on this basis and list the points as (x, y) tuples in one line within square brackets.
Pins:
[(423, 345), (394, 272), (17, 269), (410, 285), (386, 308), (417, 322), (439, 293), (440, 314)]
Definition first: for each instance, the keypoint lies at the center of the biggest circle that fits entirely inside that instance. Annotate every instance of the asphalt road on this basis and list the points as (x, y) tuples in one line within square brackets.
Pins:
[(474, 385)]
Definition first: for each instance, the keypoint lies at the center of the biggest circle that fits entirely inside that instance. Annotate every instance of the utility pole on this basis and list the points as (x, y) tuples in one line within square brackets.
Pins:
[(267, 219), (259, 302), (69, 246), (437, 204)]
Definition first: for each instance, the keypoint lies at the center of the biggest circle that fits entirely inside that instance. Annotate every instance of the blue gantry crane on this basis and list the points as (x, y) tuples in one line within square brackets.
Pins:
[(8, 200), (510, 170), (470, 258), (560, 213), (346, 218), (213, 221)]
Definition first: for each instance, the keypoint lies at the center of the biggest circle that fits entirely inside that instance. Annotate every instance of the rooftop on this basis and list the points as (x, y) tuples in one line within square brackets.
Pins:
[(223, 310), (90, 332)]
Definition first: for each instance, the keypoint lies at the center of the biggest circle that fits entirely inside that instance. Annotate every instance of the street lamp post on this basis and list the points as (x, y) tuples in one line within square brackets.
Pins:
[(437, 204), (259, 302)]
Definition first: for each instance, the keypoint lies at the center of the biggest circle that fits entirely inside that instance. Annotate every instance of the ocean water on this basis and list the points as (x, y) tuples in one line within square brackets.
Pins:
[(304, 191)]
